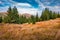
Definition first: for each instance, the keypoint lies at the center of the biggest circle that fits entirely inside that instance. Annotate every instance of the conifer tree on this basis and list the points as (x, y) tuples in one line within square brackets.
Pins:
[(7, 19), (0, 19), (37, 18), (42, 16), (54, 15), (50, 14), (12, 16), (58, 15), (22, 19), (45, 14), (15, 15), (29, 20), (33, 19)]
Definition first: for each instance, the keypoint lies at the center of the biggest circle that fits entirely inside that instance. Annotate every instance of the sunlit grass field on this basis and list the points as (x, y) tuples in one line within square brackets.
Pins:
[(44, 30)]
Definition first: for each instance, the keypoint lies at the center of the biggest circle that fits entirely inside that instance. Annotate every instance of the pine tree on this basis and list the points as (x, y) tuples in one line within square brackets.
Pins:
[(54, 15), (33, 19), (45, 14), (24, 19), (58, 15), (42, 16), (37, 18), (12, 16), (0, 19), (15, 15), (50, 15), (21, 19), (29, 20), (8, 18)]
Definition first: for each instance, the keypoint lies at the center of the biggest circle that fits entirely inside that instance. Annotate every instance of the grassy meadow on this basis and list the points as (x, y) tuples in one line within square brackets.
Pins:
[(44, 30)]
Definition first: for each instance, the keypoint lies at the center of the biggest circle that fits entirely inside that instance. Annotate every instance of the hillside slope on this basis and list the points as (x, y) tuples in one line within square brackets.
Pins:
[(45, 30)]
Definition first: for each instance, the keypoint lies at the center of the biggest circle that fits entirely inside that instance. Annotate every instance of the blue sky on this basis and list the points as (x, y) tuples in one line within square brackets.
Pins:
[(30, 6)]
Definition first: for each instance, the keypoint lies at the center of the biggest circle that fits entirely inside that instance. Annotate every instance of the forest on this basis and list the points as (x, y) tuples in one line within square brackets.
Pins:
[(13, 16)]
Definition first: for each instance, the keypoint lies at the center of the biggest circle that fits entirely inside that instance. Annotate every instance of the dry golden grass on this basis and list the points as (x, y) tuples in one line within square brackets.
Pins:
[(45, 30)]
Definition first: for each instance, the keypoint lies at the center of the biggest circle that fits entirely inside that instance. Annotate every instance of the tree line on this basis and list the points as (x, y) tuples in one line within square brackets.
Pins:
[(13, 16)]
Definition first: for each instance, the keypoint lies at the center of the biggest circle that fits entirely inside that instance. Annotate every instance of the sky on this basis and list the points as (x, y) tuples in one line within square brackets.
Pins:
[(30, 6)]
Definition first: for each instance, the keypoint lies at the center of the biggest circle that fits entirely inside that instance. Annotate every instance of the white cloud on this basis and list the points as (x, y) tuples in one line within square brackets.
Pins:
[(21, 10), (23, 4), (29, 9), (40, 4), (0, 2), (3, 9), (41, 7), (26, 8), (32, 11), (13, 3), (54, 8), (47, 3), (57, 7)]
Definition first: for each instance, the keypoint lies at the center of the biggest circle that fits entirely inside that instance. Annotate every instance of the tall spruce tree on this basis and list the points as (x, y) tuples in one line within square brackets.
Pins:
[(15, 15), (29, 20), (42, 16), (58, 15), (50, 15), (0, 19), (21, 19), (37, 18), (12, 16), (45, 14), (33, 19), (54, 15), (8, 18)]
